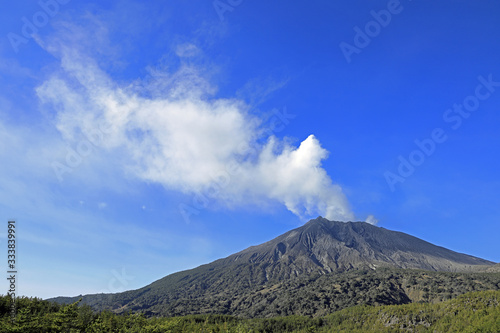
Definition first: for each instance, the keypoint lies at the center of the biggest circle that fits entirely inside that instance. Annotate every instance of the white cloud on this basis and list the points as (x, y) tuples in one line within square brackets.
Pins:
[(187, 140)]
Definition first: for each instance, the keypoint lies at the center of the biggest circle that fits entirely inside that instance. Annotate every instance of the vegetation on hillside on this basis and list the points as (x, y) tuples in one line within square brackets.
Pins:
[(472, 312), (310, 295)]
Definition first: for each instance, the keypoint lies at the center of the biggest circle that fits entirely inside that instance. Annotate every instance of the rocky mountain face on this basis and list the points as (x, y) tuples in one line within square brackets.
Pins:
[(318, 248), (328, 246)]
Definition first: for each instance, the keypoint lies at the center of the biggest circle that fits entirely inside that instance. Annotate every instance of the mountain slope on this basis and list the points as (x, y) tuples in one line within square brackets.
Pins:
[(318, 248)]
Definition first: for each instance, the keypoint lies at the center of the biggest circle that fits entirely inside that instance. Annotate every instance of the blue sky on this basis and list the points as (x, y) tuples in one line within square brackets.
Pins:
[(140, 138)]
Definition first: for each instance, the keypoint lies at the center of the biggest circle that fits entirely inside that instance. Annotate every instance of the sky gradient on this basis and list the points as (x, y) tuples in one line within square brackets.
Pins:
[(140, 138)]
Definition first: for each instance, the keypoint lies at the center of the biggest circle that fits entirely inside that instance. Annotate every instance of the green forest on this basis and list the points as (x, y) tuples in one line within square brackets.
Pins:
[(472, 312)]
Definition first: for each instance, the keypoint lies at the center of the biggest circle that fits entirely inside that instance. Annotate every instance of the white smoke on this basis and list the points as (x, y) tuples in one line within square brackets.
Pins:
[(174, 132), (371, 219)]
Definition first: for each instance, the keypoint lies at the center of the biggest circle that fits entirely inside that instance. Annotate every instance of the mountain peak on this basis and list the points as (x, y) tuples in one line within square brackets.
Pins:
[(325, 223), (328, 246)]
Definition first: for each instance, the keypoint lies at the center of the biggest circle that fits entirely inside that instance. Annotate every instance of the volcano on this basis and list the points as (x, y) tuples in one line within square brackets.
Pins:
[(320, 249)]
